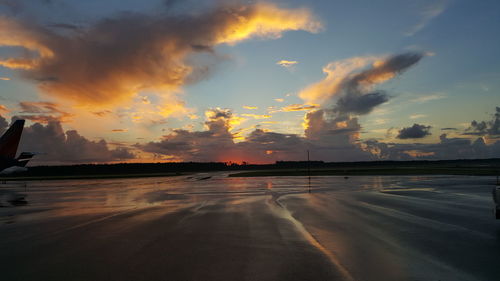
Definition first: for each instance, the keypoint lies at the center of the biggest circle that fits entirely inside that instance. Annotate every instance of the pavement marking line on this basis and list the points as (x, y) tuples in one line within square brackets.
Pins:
[(283, 212)]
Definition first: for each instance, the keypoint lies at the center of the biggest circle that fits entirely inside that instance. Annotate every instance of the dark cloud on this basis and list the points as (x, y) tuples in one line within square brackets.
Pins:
[(355, 98), (449, 129), (326, 138), (350, 83), (383, 71), (486, 128), (65, 26), (14, 6), (58, 147), (208, 145), (42, 112), (445, 149), (416, 131), (360, 104)]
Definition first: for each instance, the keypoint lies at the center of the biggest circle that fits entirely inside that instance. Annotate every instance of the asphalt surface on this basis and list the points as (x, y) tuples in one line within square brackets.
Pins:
[(210, 227)]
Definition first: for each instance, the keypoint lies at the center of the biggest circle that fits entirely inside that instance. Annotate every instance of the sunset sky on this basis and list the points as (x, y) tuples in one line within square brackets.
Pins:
[(255, 81)]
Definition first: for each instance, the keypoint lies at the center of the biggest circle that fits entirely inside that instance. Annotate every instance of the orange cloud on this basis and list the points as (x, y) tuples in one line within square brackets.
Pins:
[(354, 80), (18, 63), (279, 100), (331, 85), (5, 78), (177, 108), (266, 20), (111, 61), (3, 109)]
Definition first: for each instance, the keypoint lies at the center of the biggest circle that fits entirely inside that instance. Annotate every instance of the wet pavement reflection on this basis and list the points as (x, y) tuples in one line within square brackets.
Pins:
[(208, 226)]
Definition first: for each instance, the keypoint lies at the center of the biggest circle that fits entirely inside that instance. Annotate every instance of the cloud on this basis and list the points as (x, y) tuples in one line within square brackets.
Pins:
[(250, 107), (359, 103), (287, 63), (449, 129), (208, 145), (257, 116), (430, 12), (113, 59), (445, 149), (5, 78), (298, 107), (102, 113), (3, 109), (427, 98), (279, 100), (42, 112), (59, 147), (327, 139), (119, 130), (414, 132), (486, 128), (353, 80), (333, 134), (417, 116)]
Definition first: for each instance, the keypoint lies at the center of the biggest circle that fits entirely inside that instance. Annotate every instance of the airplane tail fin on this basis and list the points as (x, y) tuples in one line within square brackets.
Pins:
[(24, 158), (10, 140)]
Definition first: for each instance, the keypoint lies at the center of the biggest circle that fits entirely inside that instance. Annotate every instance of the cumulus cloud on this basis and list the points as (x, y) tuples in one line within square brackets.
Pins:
[(113, 59), (352, 82), (333, 133), (208, 145), (486, 128), (445, 149), (332, 140), (58, 147), (416, 131)]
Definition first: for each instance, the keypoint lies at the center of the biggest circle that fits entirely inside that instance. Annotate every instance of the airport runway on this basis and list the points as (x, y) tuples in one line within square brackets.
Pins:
[(272, 228)]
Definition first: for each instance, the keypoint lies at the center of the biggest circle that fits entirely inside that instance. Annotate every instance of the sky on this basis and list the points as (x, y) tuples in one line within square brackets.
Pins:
[(251, 81)]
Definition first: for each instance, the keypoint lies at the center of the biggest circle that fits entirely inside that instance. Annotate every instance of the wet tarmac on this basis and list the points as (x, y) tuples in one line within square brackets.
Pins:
[(210, 227)]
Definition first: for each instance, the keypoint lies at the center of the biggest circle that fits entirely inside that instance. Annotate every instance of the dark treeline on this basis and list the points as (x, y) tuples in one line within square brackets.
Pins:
[(187, 167)]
